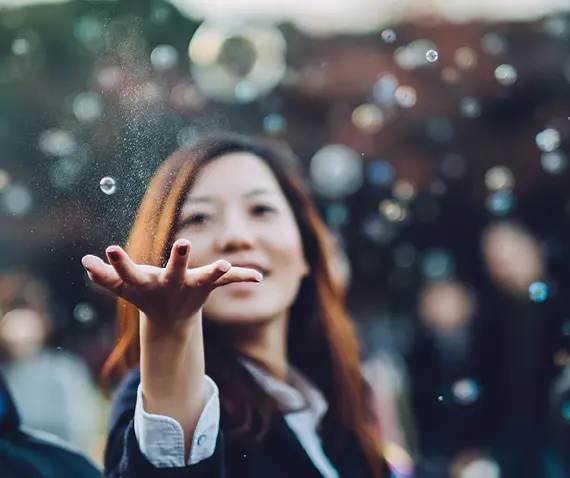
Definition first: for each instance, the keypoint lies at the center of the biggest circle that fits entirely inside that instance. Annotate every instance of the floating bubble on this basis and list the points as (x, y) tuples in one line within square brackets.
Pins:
[(538, 291), (404, 255), (500, 203), (437, 188), (337, 171), (337, 215), (392, 210), (405, 96), (57, 142), (493, 44), (465, 58), (84, 313), (437, 264), (450, 75), (164, 57), (378, 229), (108, 185), (466, 391), (384, 90), (432, 56), (389, 36), (20, 46), (368, 118), (380, 173), (17, 199), (453, 166), (506, 75), (548, 140), (554, 162), (470, 107), (87, 107), (439, 129), (274, 123), (499, 178), (404, 190)]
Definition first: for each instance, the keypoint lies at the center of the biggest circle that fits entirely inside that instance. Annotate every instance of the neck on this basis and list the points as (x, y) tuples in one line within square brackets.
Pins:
[(265, 344)]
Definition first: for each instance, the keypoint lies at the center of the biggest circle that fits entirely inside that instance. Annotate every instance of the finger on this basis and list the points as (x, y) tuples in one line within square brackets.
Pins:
[(238, 274), (102, 274), (127, 270), (206, 275), (175, 271)]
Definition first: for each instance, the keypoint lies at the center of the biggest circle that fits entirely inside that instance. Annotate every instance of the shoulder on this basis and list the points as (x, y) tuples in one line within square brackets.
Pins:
[(125, 397), (57, 458)]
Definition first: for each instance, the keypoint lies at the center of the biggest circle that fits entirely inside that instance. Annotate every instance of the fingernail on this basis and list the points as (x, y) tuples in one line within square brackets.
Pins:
[(182, 250), (259, 277), (225, 266), (113, 255)]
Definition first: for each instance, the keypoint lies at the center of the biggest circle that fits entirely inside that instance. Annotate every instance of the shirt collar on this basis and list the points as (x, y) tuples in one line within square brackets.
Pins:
[(299, 394)]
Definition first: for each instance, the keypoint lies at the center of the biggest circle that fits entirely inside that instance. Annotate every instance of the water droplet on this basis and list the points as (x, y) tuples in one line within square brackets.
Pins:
[(108, 185), (432, 56), (538, 291)]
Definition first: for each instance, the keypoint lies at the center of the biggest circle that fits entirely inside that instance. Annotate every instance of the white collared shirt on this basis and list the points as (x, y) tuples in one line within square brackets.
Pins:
[(161, 438)]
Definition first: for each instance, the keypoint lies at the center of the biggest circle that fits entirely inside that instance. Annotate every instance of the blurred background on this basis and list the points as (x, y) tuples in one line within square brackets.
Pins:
[(435, 136)]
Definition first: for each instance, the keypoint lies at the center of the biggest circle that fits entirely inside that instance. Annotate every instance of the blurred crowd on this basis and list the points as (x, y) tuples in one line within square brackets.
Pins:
[(437, 152)]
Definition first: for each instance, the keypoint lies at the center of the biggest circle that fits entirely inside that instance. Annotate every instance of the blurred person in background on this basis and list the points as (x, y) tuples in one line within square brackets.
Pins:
[(26, 453), (268, 381), (445, 385), (54, 390), (517, 341)]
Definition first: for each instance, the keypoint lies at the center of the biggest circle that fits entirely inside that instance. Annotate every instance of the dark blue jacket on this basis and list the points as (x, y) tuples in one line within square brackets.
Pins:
[(280, 455), (30, 455)]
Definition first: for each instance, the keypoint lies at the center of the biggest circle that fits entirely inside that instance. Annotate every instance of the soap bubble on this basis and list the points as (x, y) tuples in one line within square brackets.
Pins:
[(432, 56), (506, 75), (84, 313), (466, 391), (538, 291), (389, 36), (337, 171), (108, 185), (548, 140)]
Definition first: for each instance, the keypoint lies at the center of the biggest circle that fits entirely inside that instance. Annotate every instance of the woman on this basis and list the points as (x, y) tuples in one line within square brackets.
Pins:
[(226, 282)]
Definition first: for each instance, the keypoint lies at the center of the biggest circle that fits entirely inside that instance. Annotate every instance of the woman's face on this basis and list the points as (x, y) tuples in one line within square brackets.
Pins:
[(238, 212)]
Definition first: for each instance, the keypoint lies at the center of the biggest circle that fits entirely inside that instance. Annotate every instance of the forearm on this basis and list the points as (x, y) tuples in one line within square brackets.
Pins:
[(172, 372)]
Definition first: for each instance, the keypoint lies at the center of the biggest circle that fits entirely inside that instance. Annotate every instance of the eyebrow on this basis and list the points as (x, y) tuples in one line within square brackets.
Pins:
[(209, 199)]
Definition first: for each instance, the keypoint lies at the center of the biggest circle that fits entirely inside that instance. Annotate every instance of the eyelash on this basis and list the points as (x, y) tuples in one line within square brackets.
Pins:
[(201, 218)]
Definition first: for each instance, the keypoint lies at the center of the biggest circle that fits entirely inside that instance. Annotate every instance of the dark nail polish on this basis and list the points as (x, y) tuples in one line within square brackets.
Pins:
[(113, 255), (182, 250)]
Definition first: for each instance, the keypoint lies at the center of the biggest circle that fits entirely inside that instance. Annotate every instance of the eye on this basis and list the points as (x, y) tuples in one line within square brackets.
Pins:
[(195, 220), (262, 210)]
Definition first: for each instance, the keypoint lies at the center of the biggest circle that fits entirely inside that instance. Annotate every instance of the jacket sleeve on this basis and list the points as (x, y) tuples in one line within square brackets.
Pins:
[(123, 457)]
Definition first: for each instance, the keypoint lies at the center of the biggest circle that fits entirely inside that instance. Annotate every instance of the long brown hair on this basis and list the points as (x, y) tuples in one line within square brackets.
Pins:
[(321, 341)]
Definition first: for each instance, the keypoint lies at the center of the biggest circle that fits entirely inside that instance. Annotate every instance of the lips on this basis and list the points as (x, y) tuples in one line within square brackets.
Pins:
[(250, 265)]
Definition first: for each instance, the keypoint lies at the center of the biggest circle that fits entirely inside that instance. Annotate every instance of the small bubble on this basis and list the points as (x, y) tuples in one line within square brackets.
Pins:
[(548, 140), (466, 391), (501, 203), (440, 398), (432, 56), (108, 185), (506, 75), (274, 123), (389, 36), (470, 107), (84, 313), (499, 178), (405, 96), (538, 291), (553, 162)]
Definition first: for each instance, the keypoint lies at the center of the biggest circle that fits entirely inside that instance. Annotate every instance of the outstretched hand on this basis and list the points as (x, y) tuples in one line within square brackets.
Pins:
[(168, 294)]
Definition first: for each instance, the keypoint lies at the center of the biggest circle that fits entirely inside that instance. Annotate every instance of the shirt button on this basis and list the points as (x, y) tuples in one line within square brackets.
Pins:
[(202, 439)]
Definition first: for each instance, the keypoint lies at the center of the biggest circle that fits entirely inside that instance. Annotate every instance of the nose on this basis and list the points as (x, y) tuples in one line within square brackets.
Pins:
[(236, 234)]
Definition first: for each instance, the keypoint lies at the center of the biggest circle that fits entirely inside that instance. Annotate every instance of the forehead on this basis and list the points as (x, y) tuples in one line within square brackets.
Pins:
[(234, 174)]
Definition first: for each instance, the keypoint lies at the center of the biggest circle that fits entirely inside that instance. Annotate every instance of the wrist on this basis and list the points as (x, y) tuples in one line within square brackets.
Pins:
[(156, 330)]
